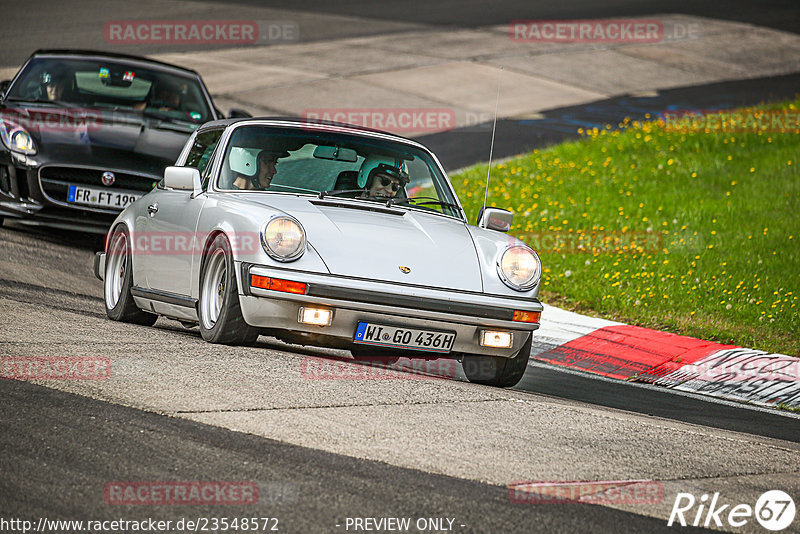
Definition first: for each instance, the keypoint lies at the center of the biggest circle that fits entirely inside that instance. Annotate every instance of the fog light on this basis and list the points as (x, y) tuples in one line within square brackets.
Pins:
[(495, 339), (315, 316)]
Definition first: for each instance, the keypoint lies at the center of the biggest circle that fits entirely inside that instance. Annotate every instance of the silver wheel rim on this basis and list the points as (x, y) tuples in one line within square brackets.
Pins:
[(116, 266), (213, 291)]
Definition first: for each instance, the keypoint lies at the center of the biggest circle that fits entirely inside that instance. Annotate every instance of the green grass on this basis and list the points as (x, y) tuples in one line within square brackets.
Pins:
[(692, 232)]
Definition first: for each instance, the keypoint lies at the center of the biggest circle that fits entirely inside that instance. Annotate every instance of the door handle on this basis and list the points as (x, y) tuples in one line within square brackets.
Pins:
[(152, 209)]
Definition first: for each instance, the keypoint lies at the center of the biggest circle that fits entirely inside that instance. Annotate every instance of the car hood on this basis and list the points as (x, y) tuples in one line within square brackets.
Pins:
[(85, 136), (355, 241)]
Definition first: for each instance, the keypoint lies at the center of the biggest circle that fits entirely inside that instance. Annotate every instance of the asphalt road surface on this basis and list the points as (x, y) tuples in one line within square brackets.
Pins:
[(60, 450), (467, 146), (51, 24)]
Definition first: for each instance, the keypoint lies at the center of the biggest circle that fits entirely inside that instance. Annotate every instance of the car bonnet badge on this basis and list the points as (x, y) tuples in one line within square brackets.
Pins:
[(108, 178), (404, 269)]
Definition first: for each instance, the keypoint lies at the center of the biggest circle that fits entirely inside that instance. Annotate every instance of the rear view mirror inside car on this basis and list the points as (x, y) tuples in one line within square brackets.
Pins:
[(336, 153)]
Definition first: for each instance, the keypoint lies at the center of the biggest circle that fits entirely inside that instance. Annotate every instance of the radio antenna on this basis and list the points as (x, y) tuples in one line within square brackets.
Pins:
[(491, 146)]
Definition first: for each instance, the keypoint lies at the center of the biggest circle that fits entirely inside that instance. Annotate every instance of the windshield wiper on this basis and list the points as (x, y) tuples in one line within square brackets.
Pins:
[(164, 118), (301, 189), (335, 192), (420, 201), (59, 103)]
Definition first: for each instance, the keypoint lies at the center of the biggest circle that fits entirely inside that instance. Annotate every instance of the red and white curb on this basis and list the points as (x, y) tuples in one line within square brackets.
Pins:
[(626, 352)]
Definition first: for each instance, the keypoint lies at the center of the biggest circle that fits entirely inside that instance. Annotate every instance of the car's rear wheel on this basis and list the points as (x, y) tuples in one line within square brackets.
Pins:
[(219, 310), (495, 371), (117, 282)]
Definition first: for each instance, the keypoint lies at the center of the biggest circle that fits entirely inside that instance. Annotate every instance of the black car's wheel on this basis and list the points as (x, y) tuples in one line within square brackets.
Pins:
[(117, 282), (219, 310), (495, 371)]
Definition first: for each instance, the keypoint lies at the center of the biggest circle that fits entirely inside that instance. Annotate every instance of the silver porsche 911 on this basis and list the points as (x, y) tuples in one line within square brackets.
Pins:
[(324, 234)]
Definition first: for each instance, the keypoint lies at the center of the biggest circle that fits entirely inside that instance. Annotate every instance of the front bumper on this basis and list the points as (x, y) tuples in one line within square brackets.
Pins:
[(355, 300), (35, 194), (99, 264)]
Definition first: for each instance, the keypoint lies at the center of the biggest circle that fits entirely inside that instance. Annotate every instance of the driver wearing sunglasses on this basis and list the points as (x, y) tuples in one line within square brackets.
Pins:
[(385, 181)]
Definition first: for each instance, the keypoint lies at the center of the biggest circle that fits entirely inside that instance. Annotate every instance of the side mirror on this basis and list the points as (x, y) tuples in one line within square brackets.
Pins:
[(495, 219), (182, 179), (238, 114), (4, 87)]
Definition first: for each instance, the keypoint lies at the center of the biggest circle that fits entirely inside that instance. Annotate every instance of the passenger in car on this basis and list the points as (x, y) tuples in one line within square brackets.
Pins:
[(384, 179), (54, 89), (163, 96), (383, 185), (267, 167)]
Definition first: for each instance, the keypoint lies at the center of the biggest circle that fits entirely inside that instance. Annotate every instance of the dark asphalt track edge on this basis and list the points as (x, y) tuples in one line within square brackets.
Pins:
[(657, 401), (466, 146), (61, 449)]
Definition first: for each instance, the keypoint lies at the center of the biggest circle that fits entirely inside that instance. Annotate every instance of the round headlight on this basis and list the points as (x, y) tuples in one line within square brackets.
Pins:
[(21, 140), (16, 138), (519, 267), (284, 239)]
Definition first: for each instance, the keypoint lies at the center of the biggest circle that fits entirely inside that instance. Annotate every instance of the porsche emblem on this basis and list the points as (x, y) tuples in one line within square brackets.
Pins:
[(404, 269)]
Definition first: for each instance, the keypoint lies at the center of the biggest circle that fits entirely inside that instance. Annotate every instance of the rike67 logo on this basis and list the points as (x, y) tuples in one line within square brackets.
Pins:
[(774, 510)]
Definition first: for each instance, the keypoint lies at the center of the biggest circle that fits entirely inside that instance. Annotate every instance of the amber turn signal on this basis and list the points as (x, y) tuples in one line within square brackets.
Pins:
[(276, 284), (522, 316)]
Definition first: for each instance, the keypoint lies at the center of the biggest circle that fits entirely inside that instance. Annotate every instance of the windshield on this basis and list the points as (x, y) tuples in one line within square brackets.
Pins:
[(334, 165), (112, 84)]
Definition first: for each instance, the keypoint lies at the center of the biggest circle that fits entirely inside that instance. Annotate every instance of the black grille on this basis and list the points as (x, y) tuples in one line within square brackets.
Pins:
[(51, 175), (5, 180)]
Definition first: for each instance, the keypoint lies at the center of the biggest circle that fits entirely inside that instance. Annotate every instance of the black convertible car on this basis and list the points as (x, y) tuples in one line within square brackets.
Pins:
[(85, 133)]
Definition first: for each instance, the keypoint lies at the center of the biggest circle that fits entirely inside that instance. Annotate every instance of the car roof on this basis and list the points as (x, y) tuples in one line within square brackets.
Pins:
[(68, 52), (321, 126)]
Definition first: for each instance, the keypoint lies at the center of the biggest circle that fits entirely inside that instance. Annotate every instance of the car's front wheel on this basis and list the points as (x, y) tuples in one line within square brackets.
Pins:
[(220, 313), (496, 371), (117, 282)]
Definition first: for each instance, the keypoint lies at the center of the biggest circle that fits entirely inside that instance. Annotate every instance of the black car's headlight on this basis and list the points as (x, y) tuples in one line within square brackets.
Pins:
[(16, 138), (284, 239), (519, 268)]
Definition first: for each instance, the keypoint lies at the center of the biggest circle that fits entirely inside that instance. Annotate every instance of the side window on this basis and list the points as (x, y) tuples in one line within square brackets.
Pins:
[(201, 151)]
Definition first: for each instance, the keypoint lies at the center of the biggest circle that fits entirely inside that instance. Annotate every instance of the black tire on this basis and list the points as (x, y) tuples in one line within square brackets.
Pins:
[(368, 354), (118, 278), (495, 371), (226, 324)]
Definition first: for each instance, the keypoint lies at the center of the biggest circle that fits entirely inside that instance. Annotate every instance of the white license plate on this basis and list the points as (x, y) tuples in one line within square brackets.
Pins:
[(404, 338), (104, 198)]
